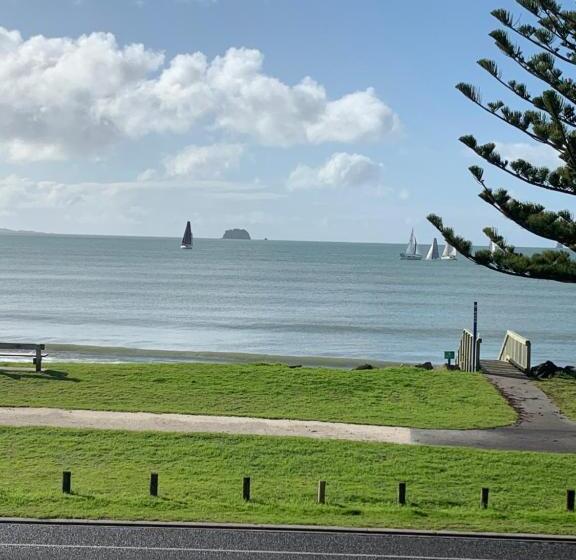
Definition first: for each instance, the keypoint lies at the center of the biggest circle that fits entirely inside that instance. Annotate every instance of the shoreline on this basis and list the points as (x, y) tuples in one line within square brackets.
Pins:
[(122, 354)]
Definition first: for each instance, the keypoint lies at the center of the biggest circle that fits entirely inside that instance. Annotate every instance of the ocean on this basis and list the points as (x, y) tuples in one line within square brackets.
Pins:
[(99, 297)]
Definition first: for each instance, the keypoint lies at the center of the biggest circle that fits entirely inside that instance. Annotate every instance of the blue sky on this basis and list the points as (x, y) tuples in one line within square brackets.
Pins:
[(328, 121)]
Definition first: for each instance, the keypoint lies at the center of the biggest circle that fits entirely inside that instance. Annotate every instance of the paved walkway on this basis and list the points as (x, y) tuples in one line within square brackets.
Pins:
[(540, 426)]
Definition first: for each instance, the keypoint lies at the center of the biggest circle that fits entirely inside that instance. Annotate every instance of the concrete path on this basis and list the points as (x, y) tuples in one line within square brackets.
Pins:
[(540, 426)]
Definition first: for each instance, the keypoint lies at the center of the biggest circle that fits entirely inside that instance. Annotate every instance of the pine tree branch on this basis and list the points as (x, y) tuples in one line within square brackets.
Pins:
[(556, 26), (532, 176), (522, 92), (548, 265), (548, 124), (505, 19), (473, 95), (555, 226), (554, 107), (515, 53)]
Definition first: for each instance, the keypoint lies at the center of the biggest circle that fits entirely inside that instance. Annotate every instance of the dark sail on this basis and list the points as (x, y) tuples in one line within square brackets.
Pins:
[(187, 239)]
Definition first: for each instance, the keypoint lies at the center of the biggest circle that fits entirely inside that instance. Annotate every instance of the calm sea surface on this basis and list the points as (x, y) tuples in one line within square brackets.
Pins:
[(270, 297)]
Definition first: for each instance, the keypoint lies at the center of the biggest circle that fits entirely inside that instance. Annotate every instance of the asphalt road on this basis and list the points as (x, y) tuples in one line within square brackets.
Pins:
[(49, 541)]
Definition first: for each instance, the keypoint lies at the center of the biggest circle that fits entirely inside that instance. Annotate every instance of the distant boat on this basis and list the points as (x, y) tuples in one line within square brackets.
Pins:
[(433, 253), (449, 253), (411, 253), (187, 238), (493, 247)]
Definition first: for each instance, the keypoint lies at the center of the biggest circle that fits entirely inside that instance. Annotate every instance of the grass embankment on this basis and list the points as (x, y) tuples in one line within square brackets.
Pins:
[(401, 396), (201, 479), (562, 390)]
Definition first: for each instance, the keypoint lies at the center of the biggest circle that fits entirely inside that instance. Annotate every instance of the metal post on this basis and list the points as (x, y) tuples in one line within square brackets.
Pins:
[(475, 339)]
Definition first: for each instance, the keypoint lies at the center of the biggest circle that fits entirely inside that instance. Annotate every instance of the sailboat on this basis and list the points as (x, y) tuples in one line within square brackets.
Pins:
[(411, 253), (449, 253), (187, 238), (493, 248), (433, 253)]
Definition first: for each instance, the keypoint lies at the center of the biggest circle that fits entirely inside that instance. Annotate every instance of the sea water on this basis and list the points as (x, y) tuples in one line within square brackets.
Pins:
[(268, 297)]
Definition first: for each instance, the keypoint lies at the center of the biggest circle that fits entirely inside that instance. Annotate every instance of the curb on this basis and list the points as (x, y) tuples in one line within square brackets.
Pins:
[(290, 528)]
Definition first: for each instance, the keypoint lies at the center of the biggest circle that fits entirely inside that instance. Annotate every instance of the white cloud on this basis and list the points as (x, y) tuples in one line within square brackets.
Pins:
[(204, 162), (341, 170), (122, 201), (536, 154), (63, 96)]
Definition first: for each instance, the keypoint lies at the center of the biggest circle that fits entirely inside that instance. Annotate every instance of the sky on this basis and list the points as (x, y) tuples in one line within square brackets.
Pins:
[(295, 119)]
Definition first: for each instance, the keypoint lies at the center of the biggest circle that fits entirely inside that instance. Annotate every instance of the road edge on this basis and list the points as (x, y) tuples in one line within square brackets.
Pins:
[(294, 528)]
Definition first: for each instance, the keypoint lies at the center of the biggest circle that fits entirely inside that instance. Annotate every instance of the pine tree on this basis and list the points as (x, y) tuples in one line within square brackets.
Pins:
[(549, 119)]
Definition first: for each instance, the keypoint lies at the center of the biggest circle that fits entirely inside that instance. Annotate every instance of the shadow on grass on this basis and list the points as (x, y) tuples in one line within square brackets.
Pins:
[(49, 374)]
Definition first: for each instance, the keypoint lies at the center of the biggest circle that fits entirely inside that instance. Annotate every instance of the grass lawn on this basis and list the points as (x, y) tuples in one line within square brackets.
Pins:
[(200, 478), (562, 390), (399, 396)]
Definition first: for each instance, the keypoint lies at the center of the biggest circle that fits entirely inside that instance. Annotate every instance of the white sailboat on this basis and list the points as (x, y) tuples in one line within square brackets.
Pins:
[(493, 247), (433, 253), (186, 242), (449, 253), (411, 253)]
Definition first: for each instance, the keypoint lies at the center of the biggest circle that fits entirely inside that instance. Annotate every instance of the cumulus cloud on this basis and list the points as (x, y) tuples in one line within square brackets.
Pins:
[(61, 96), (537, 154), (340, 170), (204, 162)]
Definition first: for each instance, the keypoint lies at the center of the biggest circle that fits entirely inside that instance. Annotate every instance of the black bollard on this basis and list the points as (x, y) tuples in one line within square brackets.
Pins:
[(67, 482), (153, 484)]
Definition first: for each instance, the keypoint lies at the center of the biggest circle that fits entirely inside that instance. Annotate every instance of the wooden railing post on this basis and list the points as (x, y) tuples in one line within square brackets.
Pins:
[(517, 351), (38, 358), (468, 352)]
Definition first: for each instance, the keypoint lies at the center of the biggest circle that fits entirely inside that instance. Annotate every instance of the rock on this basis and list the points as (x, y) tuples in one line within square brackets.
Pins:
[(425, 365), (364, 366), (545, 370), (236, 234), (295, 366), (549, 369)]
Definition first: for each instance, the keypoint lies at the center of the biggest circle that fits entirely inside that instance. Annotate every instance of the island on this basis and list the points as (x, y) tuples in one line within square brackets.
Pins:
[(236, 234)]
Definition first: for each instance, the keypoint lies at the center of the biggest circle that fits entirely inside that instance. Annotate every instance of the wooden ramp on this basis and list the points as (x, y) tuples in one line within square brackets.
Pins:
[(503, 369), (514, 359)]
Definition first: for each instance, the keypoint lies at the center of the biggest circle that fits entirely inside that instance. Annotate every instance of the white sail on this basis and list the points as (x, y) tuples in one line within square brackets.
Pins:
[(493, 247), (433, 252), (449, 252), (412, 247), (411, 252)]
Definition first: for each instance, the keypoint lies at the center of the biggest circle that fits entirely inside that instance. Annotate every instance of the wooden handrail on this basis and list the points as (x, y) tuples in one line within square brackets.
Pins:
[(465, 358), (516, 350)]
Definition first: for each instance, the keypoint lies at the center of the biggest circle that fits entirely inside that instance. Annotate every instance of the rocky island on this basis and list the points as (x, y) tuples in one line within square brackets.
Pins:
[(236, 234)]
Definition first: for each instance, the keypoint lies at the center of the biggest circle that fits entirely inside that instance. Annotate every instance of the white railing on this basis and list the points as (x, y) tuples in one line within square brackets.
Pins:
[(516, 350), (466, 353)]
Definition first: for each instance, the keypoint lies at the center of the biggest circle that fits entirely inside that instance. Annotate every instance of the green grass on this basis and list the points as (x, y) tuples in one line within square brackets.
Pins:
[(393, 396), (562, 390), (201, 479)]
